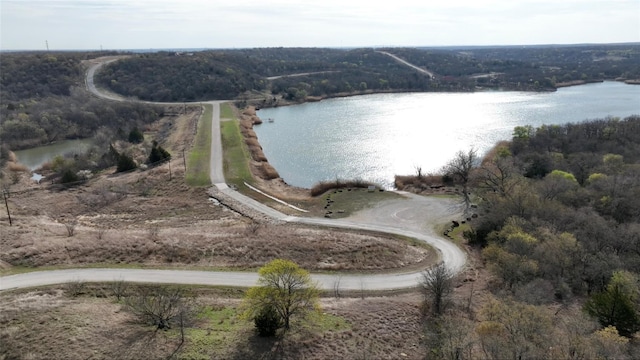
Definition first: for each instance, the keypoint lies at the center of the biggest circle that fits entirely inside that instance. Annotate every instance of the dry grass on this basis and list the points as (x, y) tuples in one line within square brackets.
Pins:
[(230, 246), (51, 325), (425, 184), (265, 171), (16, 167), (144, 218)]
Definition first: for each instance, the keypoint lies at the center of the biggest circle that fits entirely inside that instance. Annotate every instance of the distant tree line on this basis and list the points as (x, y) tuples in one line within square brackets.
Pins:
[(241, 74)]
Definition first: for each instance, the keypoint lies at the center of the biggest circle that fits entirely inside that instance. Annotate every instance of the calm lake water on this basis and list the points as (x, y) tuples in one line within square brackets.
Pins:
[(35, 157), (375, 137)]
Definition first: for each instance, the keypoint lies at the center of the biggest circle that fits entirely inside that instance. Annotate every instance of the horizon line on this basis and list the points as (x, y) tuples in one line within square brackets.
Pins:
[(152, 49)]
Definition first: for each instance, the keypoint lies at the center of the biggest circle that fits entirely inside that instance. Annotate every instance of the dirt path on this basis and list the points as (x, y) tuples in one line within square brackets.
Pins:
[(402, 61)]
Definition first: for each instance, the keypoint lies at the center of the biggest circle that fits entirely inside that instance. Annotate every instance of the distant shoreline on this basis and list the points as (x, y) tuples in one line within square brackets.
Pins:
[(261, 104)]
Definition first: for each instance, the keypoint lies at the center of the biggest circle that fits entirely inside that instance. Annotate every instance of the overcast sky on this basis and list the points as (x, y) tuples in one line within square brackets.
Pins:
[(156, 24)]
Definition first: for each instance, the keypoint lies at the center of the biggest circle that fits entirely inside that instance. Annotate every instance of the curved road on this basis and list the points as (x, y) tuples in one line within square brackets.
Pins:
[(409, 217)]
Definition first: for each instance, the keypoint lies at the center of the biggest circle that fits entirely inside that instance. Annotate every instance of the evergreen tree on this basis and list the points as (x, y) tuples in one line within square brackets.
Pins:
[(616, 306), (125, 162)]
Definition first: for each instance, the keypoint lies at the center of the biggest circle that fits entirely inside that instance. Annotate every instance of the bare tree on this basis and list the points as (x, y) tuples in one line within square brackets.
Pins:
[(119, 288), (252, 228), (71, 227), (460, 169), (160, 306), (100, 232), (437, 286), (154, 232)]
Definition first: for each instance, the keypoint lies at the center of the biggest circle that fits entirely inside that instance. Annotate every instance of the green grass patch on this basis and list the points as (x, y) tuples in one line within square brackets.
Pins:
[(198, 164), (226, 112), (456, 234), (216, 331), (323, 322), (219, 329), (235, 155)]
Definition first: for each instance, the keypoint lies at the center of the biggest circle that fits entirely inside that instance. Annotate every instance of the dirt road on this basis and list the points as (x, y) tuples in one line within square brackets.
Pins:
[(402, 61)]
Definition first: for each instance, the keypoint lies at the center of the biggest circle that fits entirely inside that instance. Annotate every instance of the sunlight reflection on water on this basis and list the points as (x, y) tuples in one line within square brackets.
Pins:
[(375, 137)]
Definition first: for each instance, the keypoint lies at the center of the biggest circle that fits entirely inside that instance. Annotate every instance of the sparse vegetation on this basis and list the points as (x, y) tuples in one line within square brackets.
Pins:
[(160, 306), (324, 186), (236, 157), (198, 166)]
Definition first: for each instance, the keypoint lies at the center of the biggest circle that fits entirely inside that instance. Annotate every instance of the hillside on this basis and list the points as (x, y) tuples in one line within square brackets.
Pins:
[(265, 74)]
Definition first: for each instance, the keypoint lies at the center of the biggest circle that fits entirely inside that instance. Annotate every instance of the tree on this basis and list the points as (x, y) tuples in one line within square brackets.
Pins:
[(437, 286), (512, 330), (267, 321), (157, 154), (616, 306), (556, 183), (450, 337), (68, 176), (135, 136), (459, 168), (160, 306), (125, 163), (285, 288)]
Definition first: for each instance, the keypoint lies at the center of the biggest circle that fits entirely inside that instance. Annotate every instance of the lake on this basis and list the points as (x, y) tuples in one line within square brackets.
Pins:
[(375, 137), (35, 157)]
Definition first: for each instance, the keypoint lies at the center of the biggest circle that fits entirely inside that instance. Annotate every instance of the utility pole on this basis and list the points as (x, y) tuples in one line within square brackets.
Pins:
[(46, 42), (4, 195), (184, 161)]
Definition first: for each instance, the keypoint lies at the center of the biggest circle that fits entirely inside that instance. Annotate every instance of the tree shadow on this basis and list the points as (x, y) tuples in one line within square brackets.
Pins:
[(256, 347)]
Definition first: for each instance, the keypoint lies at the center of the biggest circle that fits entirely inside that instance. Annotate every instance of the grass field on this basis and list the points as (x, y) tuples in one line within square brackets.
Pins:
[(226, 112), (199, 157), (235, 154)]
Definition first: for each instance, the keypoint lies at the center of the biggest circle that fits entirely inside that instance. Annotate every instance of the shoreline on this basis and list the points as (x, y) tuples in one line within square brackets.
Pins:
[(253, 109), (260, 103)]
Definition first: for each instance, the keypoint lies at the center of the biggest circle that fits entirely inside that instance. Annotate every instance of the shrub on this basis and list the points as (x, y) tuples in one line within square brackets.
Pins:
[(135, 136), (68, 176), (158, 154), (125, 163), (267, 321)]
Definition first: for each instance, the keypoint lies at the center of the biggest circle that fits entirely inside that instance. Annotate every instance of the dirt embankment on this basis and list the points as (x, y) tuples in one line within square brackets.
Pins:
[(265, 174)]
